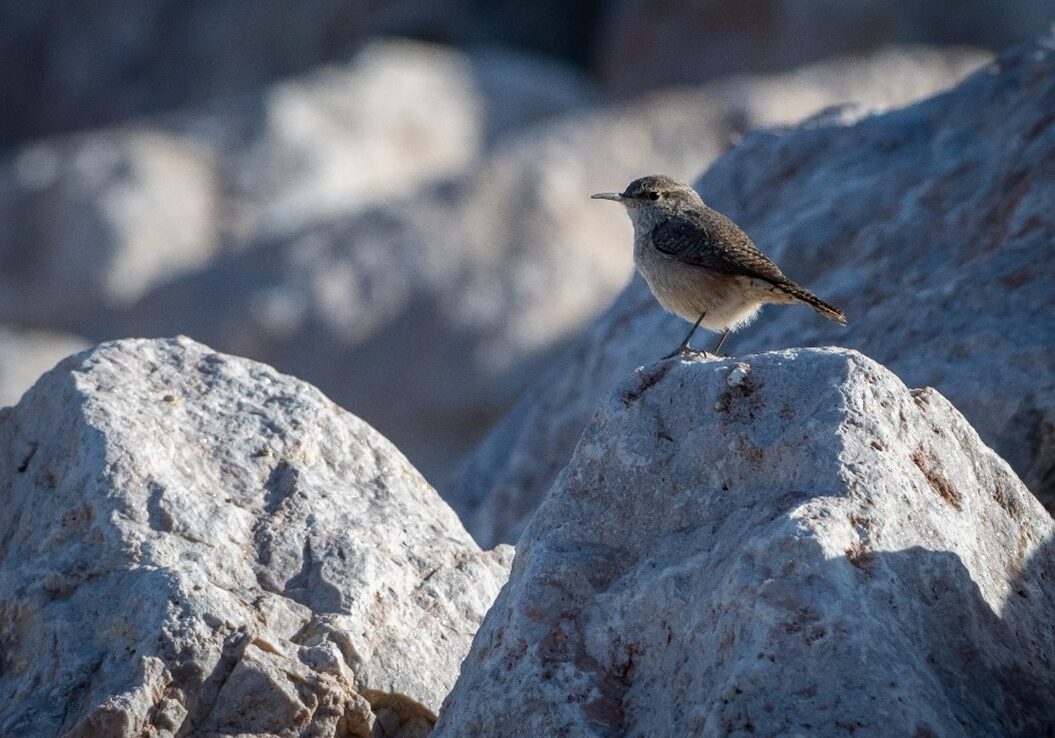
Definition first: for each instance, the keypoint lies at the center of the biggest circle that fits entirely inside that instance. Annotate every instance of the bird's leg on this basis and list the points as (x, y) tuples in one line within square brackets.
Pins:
[(684, 348), (721, 340)]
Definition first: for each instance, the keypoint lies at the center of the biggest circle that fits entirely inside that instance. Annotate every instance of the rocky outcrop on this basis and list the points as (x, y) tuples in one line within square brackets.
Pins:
[(650, 43), (931, 226), (196, 544), (789, 543)]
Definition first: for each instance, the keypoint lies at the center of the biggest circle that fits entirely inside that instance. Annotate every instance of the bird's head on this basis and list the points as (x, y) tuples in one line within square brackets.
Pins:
[(654, 197)]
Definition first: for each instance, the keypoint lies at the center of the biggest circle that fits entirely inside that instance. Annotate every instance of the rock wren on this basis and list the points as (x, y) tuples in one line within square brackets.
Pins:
[(699, 264)]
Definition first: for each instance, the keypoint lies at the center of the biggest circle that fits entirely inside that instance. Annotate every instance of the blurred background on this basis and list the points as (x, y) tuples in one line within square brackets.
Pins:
[(389, 198)]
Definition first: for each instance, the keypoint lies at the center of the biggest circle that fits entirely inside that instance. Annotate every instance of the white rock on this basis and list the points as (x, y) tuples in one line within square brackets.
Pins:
[(401, 113), (195, 543), (815, 550), (931, 226)]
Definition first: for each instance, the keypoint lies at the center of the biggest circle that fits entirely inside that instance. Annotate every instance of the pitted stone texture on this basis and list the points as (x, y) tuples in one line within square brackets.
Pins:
[(931, 226), (195, 543), (792, 543)]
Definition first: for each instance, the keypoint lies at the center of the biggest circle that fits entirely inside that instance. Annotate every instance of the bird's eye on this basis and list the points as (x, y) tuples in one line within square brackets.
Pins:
[(652, 195)]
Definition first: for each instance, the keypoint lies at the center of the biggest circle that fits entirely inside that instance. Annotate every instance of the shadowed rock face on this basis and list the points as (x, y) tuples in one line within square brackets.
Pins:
[(930, 226), (195, 543), (792, 543)]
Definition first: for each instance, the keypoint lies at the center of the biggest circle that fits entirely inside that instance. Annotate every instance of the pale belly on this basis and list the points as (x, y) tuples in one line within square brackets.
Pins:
[(729, 301)]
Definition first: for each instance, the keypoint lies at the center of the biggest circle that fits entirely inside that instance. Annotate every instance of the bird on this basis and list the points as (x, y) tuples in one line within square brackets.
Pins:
[(700, 265)]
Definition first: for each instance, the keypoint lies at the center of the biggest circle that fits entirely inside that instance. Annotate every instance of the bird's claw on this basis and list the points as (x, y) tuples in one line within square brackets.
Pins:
[(685, 351)]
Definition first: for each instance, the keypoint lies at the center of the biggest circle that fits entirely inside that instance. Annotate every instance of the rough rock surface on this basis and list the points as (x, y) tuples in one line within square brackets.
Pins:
[(429, 314), (25, 355), (650, 43), (789, 544), (932, 226), (196, 544)]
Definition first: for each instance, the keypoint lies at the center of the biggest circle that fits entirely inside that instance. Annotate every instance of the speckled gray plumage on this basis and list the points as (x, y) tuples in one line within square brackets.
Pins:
[(706, 238), (699, 262)]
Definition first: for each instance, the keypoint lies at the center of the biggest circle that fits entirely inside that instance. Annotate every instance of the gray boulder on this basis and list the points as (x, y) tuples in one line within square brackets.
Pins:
[(196, 544), (94, 221), (790, 544), (931, 226)]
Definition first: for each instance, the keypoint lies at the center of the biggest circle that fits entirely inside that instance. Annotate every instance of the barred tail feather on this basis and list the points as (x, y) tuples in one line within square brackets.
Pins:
[(804, 295)]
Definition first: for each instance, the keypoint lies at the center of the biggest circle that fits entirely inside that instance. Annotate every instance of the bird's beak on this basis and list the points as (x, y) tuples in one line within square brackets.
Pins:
[(607, 196)]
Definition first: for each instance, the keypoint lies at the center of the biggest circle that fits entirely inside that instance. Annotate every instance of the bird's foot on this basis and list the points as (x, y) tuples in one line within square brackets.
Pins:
[(691, 353)]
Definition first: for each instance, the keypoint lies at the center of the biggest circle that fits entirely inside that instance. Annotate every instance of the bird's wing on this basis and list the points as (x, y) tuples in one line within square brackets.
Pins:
[(709, 239)]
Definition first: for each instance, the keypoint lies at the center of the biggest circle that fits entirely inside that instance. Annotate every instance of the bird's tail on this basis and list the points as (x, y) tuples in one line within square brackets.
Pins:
[(804, 295)]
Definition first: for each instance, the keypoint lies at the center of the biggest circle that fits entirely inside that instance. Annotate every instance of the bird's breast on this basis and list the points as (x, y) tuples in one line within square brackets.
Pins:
[(687, 290)]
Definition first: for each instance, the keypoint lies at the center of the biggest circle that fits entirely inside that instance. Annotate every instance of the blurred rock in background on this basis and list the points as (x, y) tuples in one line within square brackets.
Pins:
[(71, 67), (89, 64), (405, 224), (26, 354), (96, 219), (650, 43)]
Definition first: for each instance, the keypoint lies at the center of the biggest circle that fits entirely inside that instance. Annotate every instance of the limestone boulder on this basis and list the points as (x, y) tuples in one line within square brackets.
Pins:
[(397, 115), (196, 544), (789, 543), (930, 225)]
